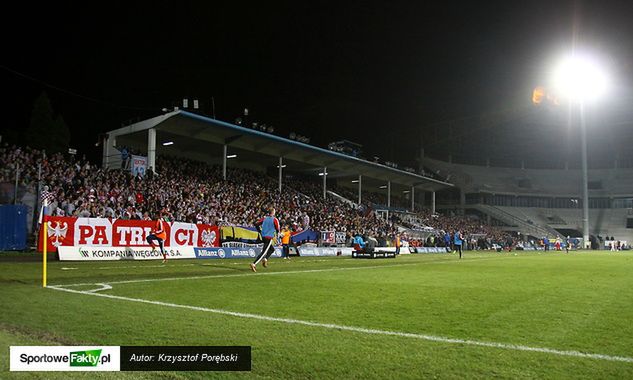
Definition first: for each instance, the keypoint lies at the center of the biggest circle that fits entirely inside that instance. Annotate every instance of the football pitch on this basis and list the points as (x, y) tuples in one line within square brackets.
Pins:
[(549, 315)]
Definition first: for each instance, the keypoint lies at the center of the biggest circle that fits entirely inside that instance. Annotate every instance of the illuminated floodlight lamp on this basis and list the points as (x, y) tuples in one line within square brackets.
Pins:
[(166, 143), (580, 78), (231, 156)]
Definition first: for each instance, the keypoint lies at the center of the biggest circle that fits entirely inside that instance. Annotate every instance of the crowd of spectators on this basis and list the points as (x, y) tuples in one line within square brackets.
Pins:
[(187, 191), (195, 192)]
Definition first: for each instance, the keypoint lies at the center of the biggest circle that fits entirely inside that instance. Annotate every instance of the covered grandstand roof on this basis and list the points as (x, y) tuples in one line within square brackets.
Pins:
[(201, 136)]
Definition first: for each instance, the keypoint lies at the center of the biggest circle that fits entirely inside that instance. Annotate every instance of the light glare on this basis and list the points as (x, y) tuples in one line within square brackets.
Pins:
[(580, 79)]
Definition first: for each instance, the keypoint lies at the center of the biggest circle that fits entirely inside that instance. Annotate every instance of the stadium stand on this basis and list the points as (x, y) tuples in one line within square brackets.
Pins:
[(545, 202), (192, 191)]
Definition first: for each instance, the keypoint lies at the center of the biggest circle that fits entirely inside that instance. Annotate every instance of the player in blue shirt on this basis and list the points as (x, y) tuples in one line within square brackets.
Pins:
[(458, 240), (268, 227)]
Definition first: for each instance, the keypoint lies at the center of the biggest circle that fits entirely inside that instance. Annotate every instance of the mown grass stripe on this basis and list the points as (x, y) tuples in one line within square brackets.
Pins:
[(433, 338)]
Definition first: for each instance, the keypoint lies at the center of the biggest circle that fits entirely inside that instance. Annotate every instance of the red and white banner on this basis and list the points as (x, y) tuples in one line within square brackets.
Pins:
[(103, 232)]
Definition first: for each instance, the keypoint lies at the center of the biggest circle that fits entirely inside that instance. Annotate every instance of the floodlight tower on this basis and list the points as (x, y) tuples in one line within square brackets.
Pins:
[(581, 80)]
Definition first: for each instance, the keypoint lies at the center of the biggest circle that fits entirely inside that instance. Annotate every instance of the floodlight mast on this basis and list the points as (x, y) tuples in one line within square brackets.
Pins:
[(580, 79)]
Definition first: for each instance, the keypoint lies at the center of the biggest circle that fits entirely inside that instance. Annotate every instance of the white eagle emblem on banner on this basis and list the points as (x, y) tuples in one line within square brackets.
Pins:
[(58, 233), (208, 238)]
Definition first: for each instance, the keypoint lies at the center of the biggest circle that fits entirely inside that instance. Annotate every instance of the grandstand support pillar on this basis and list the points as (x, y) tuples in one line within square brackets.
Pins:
[(412, 198), (281, 161), (151, 148), (388, 198), (324, 182), (224, 163), (360, 187), (107, 145), (432, 202)]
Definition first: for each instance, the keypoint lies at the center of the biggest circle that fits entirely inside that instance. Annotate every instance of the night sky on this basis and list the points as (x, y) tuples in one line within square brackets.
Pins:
[(384, 74)]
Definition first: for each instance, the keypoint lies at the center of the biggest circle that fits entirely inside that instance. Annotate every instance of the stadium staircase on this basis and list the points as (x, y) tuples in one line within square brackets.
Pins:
[(342, 199), (521, 225)]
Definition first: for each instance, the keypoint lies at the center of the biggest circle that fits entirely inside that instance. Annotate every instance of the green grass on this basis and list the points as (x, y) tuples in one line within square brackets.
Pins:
[(580, 301)]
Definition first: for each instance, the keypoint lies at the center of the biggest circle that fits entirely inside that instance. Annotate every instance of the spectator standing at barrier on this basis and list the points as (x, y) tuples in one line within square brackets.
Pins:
[(509, 243), (268, 227), (458, 240), (567, 244), (285, 242), (306, 221), (397, 243), (546, 243), (447, 241), (125, 156), (159, 235)]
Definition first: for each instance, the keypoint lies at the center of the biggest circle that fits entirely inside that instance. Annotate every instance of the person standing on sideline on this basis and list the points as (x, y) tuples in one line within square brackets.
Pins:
[(447, 242), (458, 239), (158, 234), (285, 242), (567, 244), (268, 227), (397, 243)]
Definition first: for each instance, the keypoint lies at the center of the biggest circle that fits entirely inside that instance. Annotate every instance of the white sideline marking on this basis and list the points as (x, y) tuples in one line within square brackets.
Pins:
[(433, 338), (282, 272), (103, 287), (237, 275), (64, 268)]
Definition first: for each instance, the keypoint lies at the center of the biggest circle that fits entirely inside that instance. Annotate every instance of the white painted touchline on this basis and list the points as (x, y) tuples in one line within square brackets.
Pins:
[(282, 272), (237, 275), (103, 287), (433, 338)]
